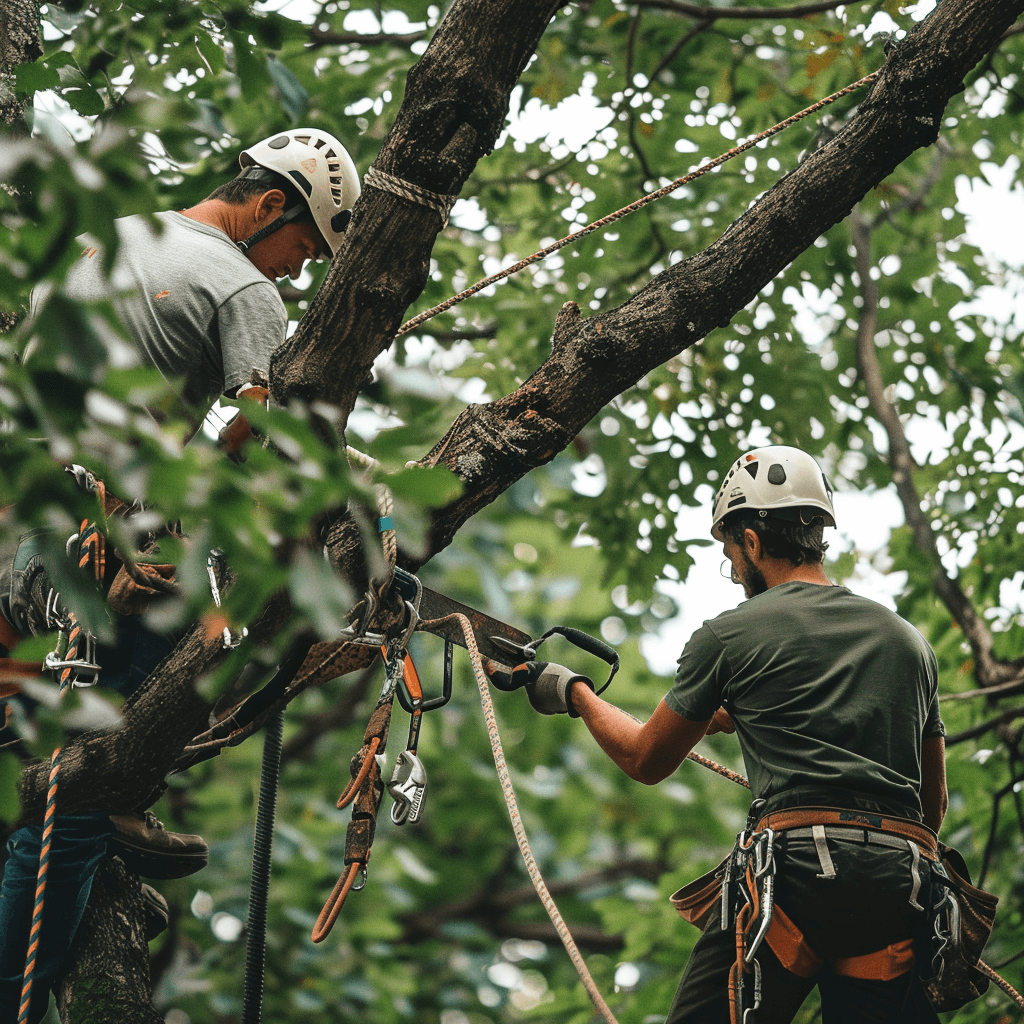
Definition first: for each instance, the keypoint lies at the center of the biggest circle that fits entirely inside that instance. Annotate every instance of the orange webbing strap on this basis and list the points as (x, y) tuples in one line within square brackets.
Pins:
[(736, 971), (790, 947), (332, 908), (882, 965), (746, 919), (795, 953), (359, 837)]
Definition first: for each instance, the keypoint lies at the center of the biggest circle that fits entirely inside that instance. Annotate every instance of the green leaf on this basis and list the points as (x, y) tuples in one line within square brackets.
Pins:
[(429, 487), (211, 52), (35, 77), (86, 101), (294, 97)]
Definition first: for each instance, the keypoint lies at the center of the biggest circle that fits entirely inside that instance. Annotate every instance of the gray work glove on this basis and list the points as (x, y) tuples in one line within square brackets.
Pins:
[(547, 686)]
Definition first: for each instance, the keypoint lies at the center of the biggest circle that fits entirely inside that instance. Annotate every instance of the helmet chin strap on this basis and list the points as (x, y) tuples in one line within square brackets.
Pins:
[(287, 217)]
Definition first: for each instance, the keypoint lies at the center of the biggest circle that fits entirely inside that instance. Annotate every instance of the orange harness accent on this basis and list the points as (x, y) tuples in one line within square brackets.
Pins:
[(795, 953)]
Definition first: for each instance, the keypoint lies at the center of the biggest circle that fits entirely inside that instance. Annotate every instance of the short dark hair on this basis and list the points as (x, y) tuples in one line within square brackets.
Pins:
[(255, 181), (792, 539)]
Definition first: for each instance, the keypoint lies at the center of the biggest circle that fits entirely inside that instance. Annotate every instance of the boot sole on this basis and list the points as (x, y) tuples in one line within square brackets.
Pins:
[(149, 863)]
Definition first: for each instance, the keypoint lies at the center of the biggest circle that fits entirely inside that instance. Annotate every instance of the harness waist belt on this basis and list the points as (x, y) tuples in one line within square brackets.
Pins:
[(846, 824), (848, 834)]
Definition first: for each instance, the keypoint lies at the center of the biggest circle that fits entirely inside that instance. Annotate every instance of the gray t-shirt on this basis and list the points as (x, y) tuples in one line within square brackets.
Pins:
[(192, 303), (831, 695)]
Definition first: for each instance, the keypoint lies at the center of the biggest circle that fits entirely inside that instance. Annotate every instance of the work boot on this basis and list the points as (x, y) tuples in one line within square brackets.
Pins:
[(148, 849), (156, 915)]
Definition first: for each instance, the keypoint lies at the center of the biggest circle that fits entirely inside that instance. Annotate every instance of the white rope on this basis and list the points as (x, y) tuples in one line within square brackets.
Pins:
[(517, 823)]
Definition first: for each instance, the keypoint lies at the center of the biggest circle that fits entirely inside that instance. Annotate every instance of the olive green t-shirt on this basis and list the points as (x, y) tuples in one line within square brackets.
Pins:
[(831, 695)]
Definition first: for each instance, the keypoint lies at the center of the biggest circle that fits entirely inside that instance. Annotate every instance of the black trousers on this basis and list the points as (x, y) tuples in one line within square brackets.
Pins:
[(865, 908)]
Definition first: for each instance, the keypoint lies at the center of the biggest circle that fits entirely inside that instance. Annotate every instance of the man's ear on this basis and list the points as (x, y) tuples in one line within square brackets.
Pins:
[(751, 544), (269, 206)]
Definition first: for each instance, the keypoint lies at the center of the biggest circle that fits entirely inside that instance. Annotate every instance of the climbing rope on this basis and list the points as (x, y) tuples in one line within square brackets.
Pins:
[(35, 930), (1002, 983), (517, 823), (429, 314), (726, 773)]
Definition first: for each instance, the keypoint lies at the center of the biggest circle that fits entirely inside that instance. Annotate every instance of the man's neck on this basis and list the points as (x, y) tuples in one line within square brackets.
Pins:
[(781, 570), (235, 221)]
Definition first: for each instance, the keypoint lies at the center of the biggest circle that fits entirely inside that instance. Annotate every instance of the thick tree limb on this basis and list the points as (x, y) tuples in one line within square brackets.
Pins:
[(109, 970), (455, 104), (597, 358)]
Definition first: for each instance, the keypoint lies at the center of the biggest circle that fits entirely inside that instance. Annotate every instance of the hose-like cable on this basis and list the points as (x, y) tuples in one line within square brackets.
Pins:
[(256, 937)]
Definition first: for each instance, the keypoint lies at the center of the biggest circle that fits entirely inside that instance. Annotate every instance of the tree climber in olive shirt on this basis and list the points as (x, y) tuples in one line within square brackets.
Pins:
[(833, 699)]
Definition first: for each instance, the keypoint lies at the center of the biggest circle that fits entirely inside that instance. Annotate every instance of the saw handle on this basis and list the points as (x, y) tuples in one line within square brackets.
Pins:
[(588, 643)]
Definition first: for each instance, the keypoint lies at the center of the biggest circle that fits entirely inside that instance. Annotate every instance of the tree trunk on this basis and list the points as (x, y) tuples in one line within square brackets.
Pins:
[(20, 43)]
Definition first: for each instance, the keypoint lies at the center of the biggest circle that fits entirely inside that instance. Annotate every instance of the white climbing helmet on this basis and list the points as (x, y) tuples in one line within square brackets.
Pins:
[(321, 168), (776, 480)]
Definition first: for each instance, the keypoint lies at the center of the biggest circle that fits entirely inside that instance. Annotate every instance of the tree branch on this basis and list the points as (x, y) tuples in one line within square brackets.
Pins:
[(706, 12), (979, 730), (489, 908), (988, 670), (326, 37)]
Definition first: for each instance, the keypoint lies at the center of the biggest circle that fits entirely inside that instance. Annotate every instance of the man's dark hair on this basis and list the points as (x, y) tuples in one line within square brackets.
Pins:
[(780, 537), (254, 181)]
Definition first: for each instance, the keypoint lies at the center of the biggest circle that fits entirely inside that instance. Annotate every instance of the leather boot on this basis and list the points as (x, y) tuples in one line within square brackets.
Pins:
[(148, 849)]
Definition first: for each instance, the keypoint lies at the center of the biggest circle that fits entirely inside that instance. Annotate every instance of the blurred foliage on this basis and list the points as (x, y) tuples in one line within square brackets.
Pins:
[(144, 106)]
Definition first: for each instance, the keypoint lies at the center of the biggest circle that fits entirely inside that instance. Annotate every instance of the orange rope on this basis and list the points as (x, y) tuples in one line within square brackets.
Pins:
[(353, 787), (332, 908), (37, 914)]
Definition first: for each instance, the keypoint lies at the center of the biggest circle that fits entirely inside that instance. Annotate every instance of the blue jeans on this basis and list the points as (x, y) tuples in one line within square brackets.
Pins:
[(78, 845)]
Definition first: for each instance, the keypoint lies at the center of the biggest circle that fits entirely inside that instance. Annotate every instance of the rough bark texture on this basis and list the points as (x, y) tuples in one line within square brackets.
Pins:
[(455, 104), (109, 975), (20, 43)]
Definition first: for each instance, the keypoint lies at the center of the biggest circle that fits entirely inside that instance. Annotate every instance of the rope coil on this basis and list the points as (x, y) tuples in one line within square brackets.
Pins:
[(442, 205)]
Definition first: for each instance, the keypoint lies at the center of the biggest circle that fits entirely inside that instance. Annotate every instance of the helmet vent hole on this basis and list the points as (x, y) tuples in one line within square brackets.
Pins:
[(777, 474)]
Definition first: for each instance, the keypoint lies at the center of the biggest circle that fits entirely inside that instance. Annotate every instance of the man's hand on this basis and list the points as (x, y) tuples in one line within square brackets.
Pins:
[(237, 432), (547, 685), (720, 723)]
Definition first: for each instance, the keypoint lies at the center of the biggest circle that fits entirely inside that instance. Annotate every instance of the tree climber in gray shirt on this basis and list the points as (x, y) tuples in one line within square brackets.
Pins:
[(197, 300), (834, 701)]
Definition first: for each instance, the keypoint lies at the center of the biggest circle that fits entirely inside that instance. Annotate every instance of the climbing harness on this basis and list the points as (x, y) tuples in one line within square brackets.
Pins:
[(73, 665), (637, 204)]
